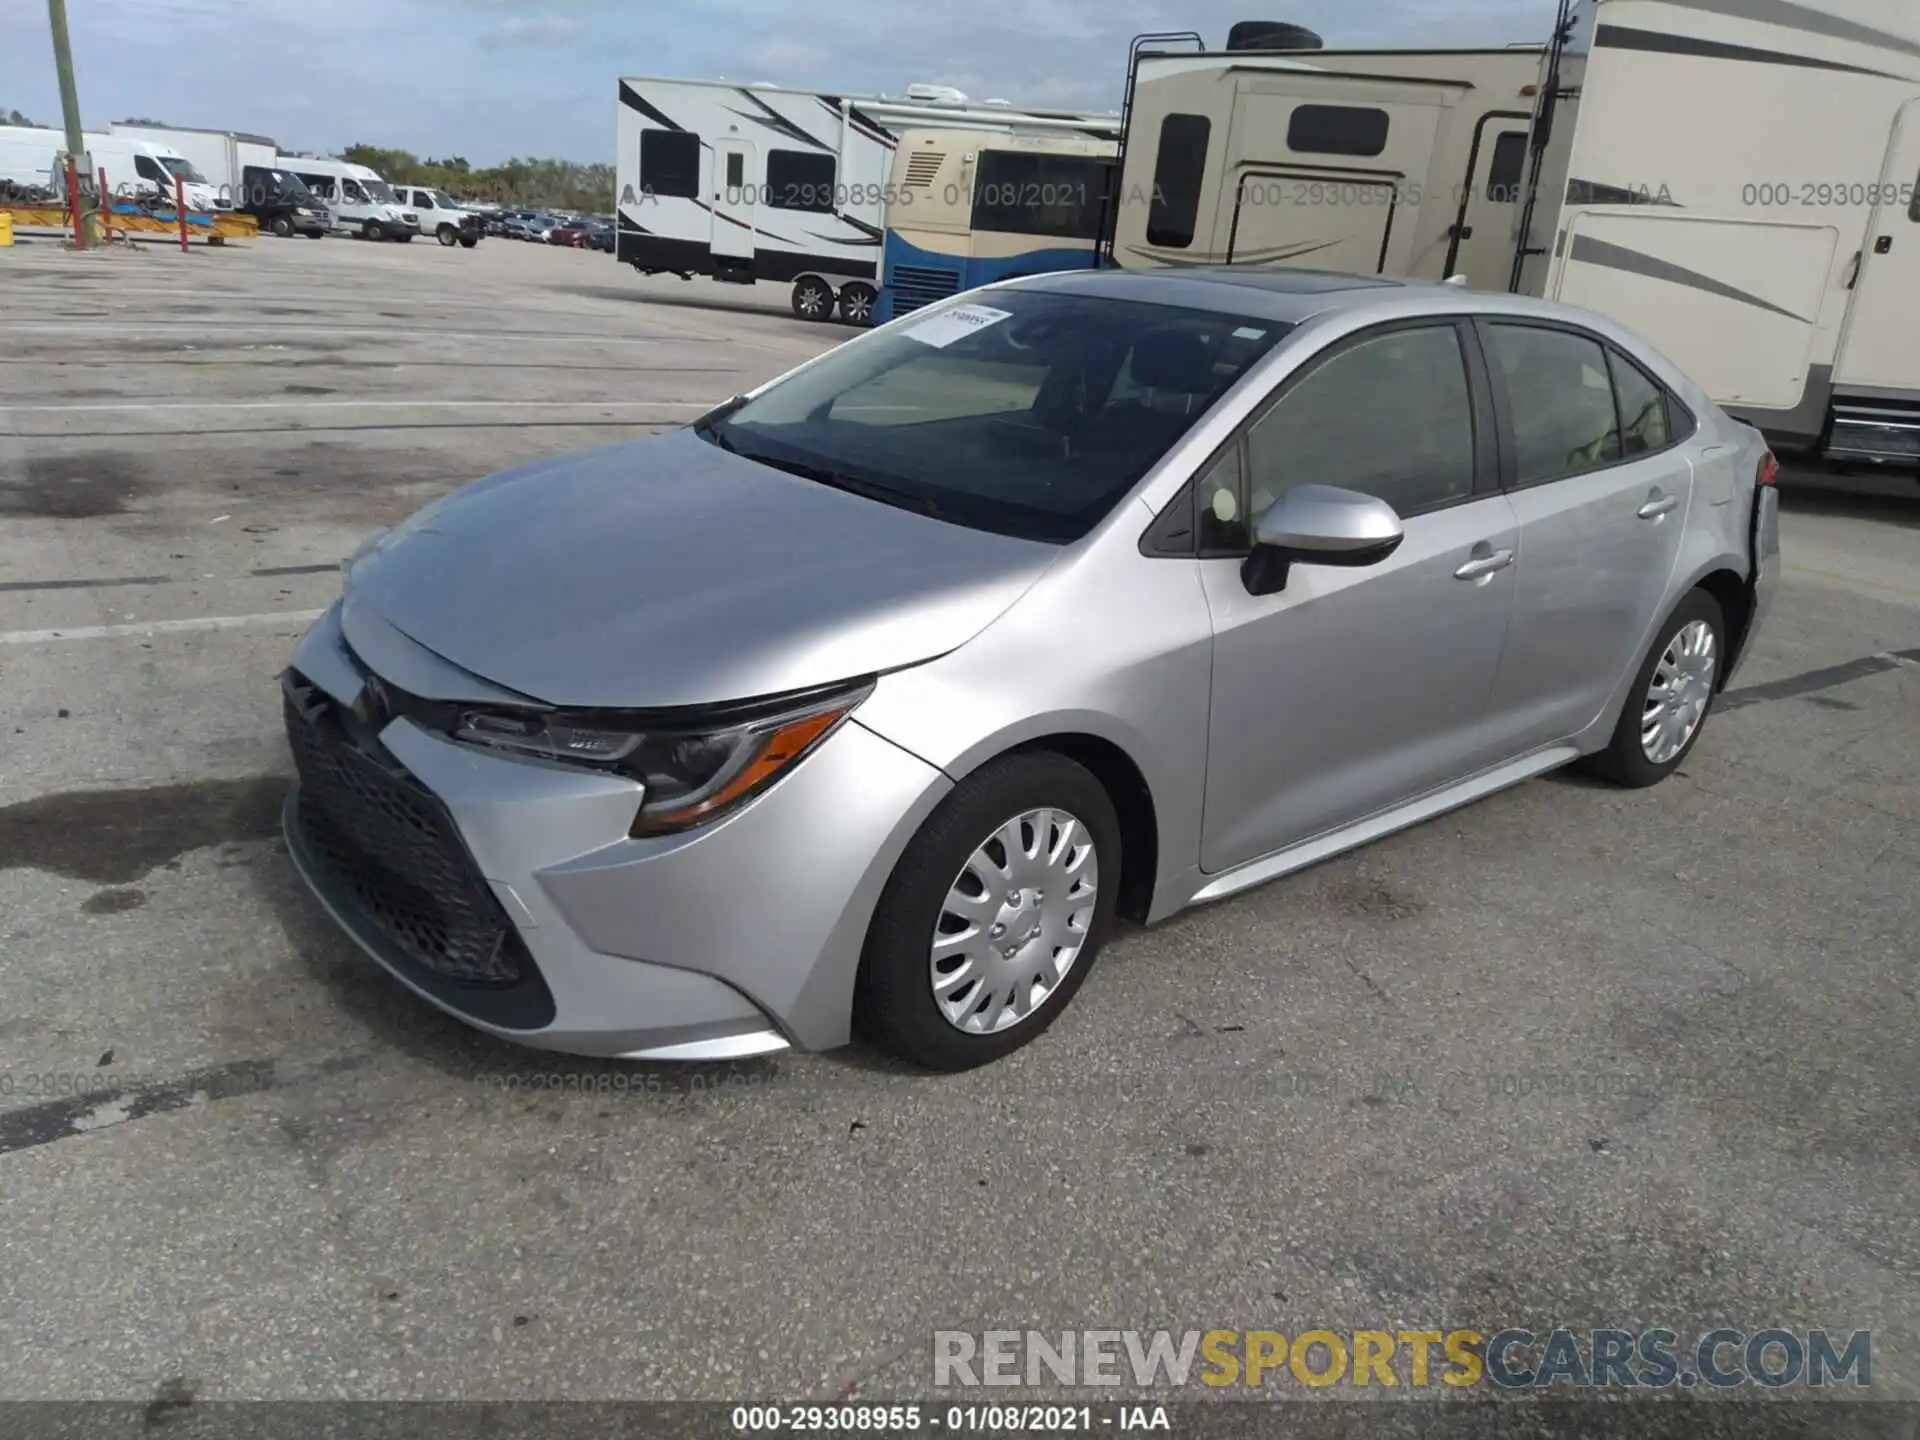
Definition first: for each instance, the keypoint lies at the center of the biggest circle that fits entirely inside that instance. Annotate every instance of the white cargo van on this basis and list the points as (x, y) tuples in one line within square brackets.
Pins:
[(361, 202)]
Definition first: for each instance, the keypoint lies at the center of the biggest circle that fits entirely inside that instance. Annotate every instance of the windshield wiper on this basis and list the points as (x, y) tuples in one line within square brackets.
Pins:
[(852, 484)]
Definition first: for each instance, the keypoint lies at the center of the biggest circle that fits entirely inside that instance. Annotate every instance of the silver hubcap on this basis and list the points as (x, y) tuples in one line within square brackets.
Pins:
[(1681, 690), (813, 300), (1014, 921), (858, 305)]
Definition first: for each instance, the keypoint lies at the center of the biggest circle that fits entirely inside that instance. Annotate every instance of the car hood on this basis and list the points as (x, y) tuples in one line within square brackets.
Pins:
[(669, 572)]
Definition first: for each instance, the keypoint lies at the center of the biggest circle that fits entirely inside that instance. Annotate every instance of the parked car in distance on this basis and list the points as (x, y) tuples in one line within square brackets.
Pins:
[(600, 236), (539, 227), (568, 232), (440, 215), (1147, 587)]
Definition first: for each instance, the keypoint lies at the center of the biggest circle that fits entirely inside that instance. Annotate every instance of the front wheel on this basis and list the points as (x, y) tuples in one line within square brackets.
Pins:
[(1672, 692), (283, 227), (812, 298), (467, 242), (373, 230), (448, 235), (993, 916), (405, 237), (856, 303)]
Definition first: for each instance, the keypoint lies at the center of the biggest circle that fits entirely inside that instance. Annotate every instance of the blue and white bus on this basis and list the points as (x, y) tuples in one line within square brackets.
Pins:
[(968, 207)]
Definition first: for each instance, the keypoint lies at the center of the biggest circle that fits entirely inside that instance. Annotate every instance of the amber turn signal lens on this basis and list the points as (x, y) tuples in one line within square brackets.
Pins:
[(777, 750)]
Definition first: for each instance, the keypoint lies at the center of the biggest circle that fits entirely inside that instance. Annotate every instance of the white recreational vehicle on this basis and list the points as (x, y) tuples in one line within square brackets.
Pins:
[(754, 182), (1405, 163), (1736, 179)]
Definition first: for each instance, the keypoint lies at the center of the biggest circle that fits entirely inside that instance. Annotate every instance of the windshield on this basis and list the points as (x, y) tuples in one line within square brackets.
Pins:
[(1021, 412), (379, 191), (178, 165), (444, 201)]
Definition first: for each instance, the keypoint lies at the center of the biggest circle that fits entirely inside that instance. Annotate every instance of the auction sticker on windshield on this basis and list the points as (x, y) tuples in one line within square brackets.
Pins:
[(957, 324)]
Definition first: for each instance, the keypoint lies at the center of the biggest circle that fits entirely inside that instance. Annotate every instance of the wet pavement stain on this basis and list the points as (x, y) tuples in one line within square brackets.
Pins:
[(73, 487), (114, 902), (113, 837)]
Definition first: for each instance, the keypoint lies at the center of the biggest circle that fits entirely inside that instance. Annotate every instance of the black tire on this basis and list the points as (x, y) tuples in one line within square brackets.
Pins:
[(283, 227), (894, 1005), (467, 242), (405, 237), (373, 230), (1625, 761), (812, 298), (856, 303), (447, 235)]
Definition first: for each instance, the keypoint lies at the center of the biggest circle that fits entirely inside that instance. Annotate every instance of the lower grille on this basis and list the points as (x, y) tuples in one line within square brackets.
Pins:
[(917, 285), (393, 849)]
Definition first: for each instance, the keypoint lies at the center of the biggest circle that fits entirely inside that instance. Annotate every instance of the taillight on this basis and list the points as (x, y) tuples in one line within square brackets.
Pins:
[(1769, 470)]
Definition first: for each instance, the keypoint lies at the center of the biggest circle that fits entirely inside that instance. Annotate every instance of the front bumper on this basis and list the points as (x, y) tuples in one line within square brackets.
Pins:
[(737, 939)]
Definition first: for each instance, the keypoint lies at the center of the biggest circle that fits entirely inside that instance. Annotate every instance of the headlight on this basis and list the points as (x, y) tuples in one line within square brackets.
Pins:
[(692, 773)]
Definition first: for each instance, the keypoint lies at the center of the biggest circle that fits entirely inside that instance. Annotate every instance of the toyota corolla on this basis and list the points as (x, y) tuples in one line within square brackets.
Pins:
[(868, 701)]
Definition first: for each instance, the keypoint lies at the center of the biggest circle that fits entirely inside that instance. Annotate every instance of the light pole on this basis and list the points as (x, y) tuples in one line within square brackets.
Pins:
[(69, 103)]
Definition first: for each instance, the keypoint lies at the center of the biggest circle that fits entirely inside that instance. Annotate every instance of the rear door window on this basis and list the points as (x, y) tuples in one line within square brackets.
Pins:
[(1560, 398)]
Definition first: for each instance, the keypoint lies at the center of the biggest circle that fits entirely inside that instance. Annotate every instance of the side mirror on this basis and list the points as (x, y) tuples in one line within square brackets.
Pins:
[(1319, 525)]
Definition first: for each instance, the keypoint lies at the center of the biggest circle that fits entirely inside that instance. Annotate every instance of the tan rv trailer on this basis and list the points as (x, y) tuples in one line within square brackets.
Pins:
[(1404, 163), (1739, 180)]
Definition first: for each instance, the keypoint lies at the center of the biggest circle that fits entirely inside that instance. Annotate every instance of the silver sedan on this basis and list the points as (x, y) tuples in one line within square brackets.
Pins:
[(869, 700)]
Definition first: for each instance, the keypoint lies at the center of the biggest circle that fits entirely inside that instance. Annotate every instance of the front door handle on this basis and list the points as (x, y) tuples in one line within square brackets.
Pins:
[(1659, 505), (1484, 566)]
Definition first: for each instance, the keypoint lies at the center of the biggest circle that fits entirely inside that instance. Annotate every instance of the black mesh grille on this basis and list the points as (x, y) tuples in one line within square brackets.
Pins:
[(392, 847)]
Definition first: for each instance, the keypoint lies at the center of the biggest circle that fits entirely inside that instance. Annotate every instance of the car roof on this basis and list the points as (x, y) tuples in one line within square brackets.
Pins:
[(1289, 295), (1296, 296)]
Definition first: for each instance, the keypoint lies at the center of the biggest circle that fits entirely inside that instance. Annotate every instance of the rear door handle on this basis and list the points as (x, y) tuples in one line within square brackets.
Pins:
[(1659, 505), (1485, 566)]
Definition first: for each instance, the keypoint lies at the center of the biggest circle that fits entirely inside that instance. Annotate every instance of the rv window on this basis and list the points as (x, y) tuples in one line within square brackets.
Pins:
[(1177, 172), (670, 163), (1337, 130), (1509, 168), (1644, 426), (1062, 197), (1417, 454), (1561, 399), (800, 180), (736, 171)]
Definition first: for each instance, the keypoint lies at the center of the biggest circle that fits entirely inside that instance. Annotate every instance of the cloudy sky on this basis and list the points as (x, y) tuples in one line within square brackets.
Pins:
[(493, 78)]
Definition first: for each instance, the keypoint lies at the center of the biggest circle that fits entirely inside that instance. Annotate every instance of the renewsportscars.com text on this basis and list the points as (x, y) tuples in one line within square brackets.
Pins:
[(1509, 1359)]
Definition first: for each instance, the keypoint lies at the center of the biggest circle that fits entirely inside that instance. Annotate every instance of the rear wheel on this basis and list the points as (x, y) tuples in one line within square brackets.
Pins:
[(1667, 707), (812, 298), (856, 303), (283, 227), (448, 235), (993, 916)]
